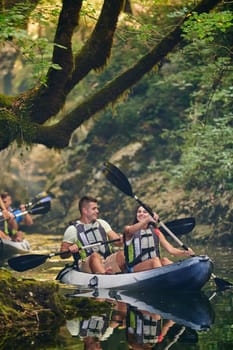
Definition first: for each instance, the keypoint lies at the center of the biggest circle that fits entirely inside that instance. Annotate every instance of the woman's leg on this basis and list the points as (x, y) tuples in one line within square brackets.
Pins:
[(148, 265), (166, 261)]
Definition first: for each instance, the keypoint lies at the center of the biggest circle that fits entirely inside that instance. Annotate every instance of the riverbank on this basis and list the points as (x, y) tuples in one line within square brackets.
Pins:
[(32, 304), (28, 302)]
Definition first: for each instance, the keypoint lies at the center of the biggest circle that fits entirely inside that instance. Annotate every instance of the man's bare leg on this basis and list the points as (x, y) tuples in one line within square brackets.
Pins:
[(96, 264)]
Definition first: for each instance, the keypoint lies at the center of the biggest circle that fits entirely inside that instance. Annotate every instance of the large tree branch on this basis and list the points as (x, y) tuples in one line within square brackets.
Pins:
[(96, 51), (58, 135), (63, 56), (48, 100), (15, 122)]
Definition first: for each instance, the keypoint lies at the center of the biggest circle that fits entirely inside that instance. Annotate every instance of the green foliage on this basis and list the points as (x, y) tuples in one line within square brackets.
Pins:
[(206, 159), (203, 72), (207, 25), (190, 99), (35, 51)]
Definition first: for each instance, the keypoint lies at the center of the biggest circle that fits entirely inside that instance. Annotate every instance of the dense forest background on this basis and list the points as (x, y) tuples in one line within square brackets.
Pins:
[(171, 133)]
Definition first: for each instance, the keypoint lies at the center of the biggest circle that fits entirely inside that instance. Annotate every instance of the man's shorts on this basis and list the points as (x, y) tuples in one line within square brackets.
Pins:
[(110, 261)]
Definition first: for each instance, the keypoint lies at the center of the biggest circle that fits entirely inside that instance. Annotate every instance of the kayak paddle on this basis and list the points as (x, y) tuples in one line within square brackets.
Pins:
[(118, 179), (26, 262), (39, 198), (180, 226), (39, 208)]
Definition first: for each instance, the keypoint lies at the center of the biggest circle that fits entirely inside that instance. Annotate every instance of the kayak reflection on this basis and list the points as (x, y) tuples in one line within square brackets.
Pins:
[(146, 320)]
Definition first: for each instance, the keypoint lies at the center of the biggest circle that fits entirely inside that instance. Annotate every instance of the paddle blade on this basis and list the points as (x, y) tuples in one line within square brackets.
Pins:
[(43, 200), (222, 284), (39, 198), (117, 178), (26, 262), (180, 226), (40, 208)]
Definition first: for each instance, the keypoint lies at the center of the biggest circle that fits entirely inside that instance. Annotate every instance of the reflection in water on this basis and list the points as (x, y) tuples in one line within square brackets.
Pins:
[(147, 320), (183, 316)]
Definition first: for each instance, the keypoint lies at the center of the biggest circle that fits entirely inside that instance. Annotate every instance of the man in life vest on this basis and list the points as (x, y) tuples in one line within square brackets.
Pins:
[(90, 230)]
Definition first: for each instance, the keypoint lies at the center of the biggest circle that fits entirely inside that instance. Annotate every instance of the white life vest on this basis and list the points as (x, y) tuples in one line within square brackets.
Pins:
[(143, 246), (90, 234)]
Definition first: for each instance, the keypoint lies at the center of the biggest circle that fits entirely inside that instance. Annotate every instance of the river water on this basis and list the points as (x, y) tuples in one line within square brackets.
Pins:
[(203, 321)]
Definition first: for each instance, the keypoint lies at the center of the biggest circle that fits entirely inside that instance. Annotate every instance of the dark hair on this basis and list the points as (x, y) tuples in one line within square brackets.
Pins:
[(5, 194), (135, 217), (84, 201)]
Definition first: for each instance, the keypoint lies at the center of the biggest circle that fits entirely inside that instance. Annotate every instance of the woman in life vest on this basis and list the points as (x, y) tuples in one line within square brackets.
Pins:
[(142, 242)]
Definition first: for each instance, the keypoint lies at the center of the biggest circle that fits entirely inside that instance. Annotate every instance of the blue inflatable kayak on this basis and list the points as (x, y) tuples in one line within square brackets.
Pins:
[(186, 275)]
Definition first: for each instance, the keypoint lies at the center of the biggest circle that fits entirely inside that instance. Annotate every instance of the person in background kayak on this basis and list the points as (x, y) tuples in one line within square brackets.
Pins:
[(11, 227), (20, 219), (7, 220), (89, 230), (142, 241)]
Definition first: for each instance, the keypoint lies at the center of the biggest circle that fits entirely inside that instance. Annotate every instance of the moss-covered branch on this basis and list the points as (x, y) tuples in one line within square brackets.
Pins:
[(96, 51), (49, 99)]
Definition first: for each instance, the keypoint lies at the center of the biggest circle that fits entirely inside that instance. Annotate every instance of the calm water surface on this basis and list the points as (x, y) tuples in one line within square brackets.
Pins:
[(145, 321)]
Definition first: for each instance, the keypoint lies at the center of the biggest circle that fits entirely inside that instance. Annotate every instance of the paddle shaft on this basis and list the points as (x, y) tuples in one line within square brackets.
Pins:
[(118, 179), (88, 246), (2, 205), (26, 262), (16, 215), (38, 209)]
